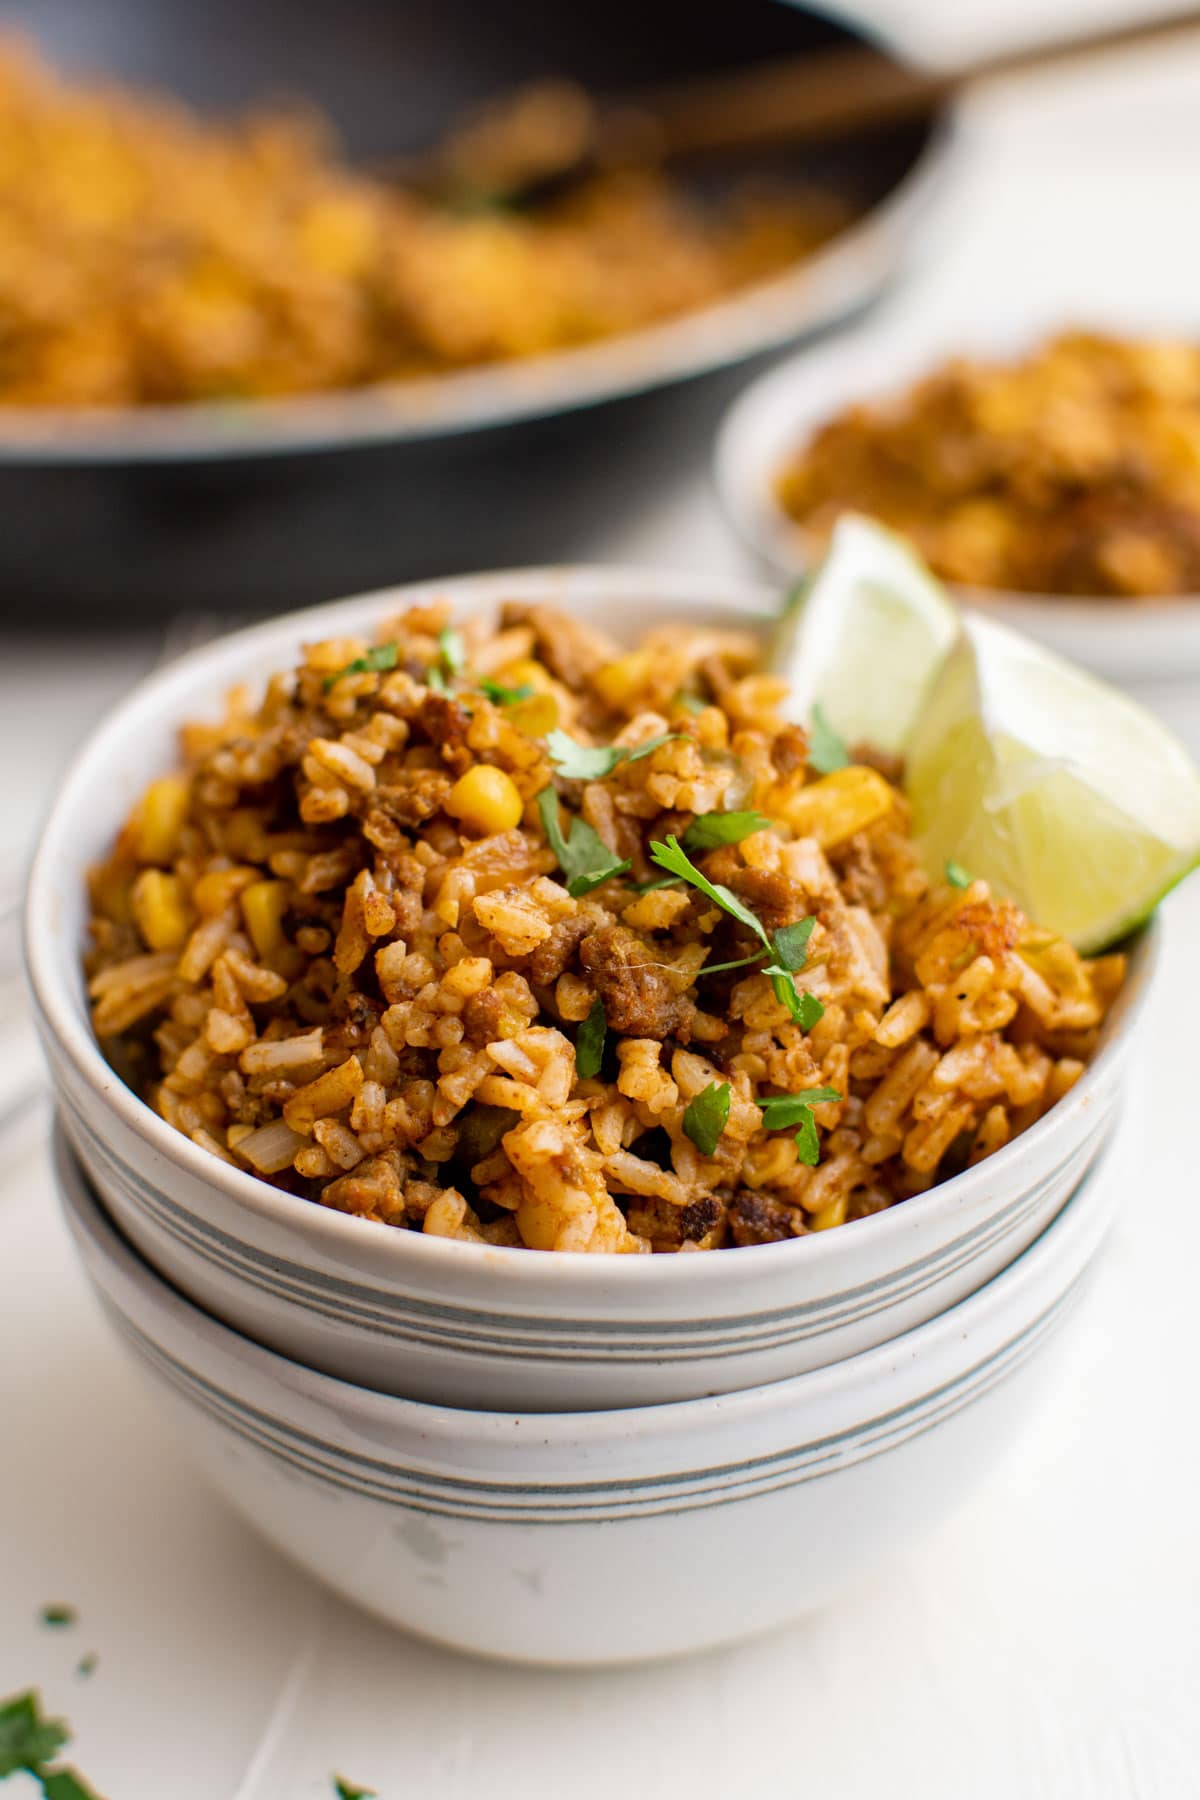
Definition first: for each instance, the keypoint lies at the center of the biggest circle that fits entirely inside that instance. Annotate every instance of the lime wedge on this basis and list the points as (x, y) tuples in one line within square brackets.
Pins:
[(1063, 793), (864, 638)]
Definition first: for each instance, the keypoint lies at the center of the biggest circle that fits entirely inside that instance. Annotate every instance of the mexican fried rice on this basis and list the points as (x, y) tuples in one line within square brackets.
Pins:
[(437, 932)]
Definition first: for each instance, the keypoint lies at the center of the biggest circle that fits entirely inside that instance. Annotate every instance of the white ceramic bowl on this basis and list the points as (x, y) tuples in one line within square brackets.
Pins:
[(602, 1537), (1125, 641), (462, 1325)]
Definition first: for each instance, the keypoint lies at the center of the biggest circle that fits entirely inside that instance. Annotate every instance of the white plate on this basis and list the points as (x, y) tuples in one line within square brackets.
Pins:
[(1125, 641)]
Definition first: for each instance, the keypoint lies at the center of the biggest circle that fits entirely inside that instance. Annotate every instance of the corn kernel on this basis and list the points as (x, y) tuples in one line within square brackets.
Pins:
[(485, 799), (263, 906), (533, 717), (831, 1215), (618, 681), (214, 891), (161, 817), (834, 808), (159, 910)]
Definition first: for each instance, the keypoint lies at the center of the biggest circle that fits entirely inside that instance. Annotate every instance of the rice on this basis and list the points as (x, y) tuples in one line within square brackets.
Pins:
[(152, 257), (1074, 469), (347, 947)]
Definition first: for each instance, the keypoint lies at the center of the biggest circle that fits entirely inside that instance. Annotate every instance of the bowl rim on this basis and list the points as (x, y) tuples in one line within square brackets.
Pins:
[(815, 293), (53, 973), (920, 1354), (775, 415)]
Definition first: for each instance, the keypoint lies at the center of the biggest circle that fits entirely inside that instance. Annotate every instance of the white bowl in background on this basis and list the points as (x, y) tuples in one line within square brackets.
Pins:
[(1126, 641), (466, 1325), (593, 1538)]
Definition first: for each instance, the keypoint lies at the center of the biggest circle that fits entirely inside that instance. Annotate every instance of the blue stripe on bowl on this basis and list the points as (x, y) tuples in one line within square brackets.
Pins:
[(431, 1324), (530, 1504)]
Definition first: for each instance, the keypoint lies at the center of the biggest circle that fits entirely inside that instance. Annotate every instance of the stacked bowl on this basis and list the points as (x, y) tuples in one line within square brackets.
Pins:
[(549, 1458)]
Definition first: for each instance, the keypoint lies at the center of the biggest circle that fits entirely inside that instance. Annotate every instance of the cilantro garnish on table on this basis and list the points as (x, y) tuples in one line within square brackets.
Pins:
[(782, 1111), (377, 661), (30, 1744), (788, 946), (706, 1117), (346, 1790), (583, 856), (592, 762), (826, 750), (57, 1615)]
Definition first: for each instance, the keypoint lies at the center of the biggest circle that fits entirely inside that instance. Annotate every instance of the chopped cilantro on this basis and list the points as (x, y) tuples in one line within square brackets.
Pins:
[(27, 1740), (583, 856), (826, 750), (782, 1111), (377, 661), (787, 946), (652, 887), (589, 1042), (673, 858), (450, 659), (87, 1664), (693, 703), (707, 830), (58, 1615), (346, 1790), (706, 1117), (957, 876), (588, 762), (791, 942), (500, 695), (30, 1742), (65, 1784)]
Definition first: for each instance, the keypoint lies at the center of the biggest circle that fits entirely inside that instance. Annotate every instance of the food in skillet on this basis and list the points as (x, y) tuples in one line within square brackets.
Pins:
[(148, 256), (1072, 470), (510, 934)]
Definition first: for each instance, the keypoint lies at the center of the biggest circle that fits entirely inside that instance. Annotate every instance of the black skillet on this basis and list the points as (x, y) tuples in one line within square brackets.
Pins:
[(265, 506)]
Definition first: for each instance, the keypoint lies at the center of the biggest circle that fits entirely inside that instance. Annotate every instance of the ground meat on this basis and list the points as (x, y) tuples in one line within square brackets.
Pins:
[(482, 1015), (373, 1190), (789, 751), (639, 999), (568, 649), (412, 796), (774, 897), (756, 1218), (445, 722), (550, 958), (700, 1222)]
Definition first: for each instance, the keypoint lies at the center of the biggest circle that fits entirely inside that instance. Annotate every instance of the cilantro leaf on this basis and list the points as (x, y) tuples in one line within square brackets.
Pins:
[(65, 1784), (804, 1007), (791, 942), (450, 650), (589, 1042), (592, 762), (346, 1790), (583, 856), (58, 1615), (87, 1664), (957, 876), (674, 859), (27, 1740), (706, 1116), (826, 750), (500, 695), (808, 1144), (693, 703), (377, 661), (707, 830), (781, 1110)]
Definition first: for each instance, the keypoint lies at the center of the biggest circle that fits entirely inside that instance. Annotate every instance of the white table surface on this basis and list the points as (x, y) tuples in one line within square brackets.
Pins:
[(1044, 1646)]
